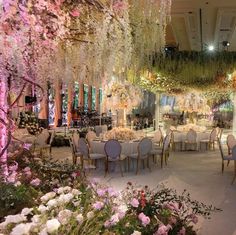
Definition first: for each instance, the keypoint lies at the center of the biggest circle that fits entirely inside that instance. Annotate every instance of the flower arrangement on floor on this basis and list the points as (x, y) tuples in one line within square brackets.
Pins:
[(94, 209), (119, 133)]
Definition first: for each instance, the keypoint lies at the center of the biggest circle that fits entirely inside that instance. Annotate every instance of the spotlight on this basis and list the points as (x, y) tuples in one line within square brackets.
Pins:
[(225, 44), (211, 48)]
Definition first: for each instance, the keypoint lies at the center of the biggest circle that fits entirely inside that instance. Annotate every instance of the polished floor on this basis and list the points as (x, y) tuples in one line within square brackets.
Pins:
[(197, 172)]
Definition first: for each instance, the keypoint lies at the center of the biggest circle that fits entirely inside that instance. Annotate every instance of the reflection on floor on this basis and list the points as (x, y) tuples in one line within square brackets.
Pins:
[(198, 172)]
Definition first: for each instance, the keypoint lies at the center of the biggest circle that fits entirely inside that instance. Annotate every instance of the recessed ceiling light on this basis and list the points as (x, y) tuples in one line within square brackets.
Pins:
[(211, 48)]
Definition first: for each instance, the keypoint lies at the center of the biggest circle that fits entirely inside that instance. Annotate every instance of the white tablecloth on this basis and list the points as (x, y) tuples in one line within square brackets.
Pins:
[(181, 137), (127, 147)]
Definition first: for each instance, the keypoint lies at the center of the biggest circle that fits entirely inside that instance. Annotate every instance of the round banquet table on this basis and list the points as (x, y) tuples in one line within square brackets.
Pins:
[(127, 147), (181, 137)]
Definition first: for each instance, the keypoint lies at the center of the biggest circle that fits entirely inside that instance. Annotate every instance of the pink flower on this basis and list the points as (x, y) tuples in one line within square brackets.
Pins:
[(98, 205), (134, 202), (75, 13), (27, 171), (163, 230), (144, 219), (101, 192), (13, 167), (182, 231), (173, 206), (194, 218), (35, 182), (12, 177)]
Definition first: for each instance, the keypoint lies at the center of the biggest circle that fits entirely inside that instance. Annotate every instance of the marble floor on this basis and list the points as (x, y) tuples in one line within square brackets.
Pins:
[(197, 172)]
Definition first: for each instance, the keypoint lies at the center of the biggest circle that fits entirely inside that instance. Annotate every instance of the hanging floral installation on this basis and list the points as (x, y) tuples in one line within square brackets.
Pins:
[(122, 95), (184, 71)]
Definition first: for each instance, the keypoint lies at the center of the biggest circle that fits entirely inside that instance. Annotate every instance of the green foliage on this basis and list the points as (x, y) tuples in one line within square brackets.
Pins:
[(14, 198)]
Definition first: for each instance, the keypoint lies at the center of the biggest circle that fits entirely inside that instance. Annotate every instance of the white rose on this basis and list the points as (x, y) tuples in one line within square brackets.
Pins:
[(48, 196), (42, 208), (15, 219), (65, 198), (60, 190), (36, 219), (80, 218), (136, 233), (52, 203), (90, 214), (52, 225), (26, 211), (64, 216), (21, 229), (75, 192), (67, 189)]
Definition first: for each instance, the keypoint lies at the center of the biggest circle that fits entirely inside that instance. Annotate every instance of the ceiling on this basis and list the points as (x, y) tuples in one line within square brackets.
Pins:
[(196, 24)]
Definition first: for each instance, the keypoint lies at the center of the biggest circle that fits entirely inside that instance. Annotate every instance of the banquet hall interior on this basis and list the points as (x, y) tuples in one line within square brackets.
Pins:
[(118, 117)]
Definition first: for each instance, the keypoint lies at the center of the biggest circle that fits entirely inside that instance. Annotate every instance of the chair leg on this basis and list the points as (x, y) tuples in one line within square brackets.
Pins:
[(137, 166), (162, 155), (143, 163), (223, 166), (121, 169), (228, 162), (234, 172), (106, 167), (148, 164), (128, 164), (166, 158)]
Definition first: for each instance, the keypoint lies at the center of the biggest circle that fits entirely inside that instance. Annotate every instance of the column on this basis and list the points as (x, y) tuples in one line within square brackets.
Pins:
[(157, 111), (3, 128), (234, 117)]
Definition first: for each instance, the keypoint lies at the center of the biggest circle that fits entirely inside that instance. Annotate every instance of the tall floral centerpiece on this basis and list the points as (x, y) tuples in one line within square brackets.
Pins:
[(193, 103), (122, 97)]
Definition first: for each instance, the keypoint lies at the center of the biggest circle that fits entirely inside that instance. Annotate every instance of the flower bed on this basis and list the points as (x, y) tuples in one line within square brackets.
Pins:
[(55, 198), (94, 209), (121, 134)]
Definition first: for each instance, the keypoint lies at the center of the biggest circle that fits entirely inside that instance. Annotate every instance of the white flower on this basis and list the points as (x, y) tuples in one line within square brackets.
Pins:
[(21, 229), (60, 190), (36, 219), (48, 196), (75, 192), (52, 203), (90, 214), (65, 198), (136, 233), (42, 208), (67, 189), (64, 216), (80, 218), (26, 211), (52, 225), (43, 232), (13, 219)]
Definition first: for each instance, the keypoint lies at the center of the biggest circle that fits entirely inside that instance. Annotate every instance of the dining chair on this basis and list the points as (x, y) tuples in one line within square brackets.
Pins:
[(75, 153), (231, 157), (174, 140), (75, 139), (144, 149), (164, 151), (112, 149), (91, 135), (191, 139), (211, 141), (230, 141), (41, 143), (157, 138), (86, 155)]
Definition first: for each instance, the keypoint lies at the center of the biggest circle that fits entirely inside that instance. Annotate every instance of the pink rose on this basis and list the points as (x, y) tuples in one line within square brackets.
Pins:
[(144, 219), (163, 230), (182, 231), (134, 202), (35, 182), (75, 13)]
